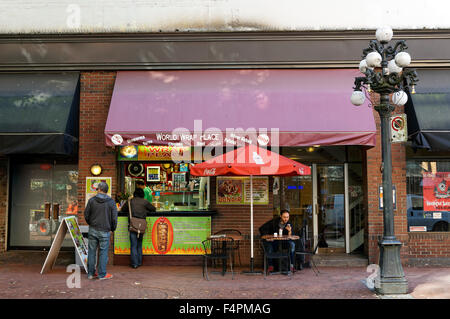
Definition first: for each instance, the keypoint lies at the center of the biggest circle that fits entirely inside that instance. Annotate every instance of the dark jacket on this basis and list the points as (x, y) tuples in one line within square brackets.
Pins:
[(101, 213), (139, 207), (272, 226)]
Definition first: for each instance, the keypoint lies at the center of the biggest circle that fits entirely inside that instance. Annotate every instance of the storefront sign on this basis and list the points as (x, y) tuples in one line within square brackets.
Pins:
[(236, 190), (91, 186), (150, 153), (436, 192), (177, 235)]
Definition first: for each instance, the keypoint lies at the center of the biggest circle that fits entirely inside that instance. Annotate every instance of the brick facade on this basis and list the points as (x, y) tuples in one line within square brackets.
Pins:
[(95, 95), (3, 203)]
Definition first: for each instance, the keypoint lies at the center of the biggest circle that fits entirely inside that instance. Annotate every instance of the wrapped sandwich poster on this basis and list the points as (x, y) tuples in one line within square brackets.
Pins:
[(436, 191), (174, 235)]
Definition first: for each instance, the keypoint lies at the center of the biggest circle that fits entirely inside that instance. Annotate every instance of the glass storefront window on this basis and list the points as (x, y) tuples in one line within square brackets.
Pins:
[(428, 195), (41, 195)]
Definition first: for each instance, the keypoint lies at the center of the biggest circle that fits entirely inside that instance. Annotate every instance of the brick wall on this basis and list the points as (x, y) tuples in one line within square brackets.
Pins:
[(95, 96), (3, 203), (429, 249)]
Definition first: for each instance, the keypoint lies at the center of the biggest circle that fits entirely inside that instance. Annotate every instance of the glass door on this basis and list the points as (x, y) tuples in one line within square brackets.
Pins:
[(330, 208), (42, 194)]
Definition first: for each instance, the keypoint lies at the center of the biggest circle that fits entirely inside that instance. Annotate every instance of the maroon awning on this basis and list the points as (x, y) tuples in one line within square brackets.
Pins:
[(210, 107)]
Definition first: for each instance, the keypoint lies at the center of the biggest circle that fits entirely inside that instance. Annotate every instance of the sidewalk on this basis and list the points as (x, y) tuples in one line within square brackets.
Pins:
[(21, 278)]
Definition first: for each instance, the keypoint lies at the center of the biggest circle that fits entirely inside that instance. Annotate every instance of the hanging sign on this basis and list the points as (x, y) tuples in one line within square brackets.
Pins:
[(399, 131), (151, 153)]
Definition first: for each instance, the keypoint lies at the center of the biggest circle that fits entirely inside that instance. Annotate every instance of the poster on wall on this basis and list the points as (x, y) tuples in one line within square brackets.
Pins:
[(91, 186), (236, 190), (436, 192), (260, 191), (166, 235)]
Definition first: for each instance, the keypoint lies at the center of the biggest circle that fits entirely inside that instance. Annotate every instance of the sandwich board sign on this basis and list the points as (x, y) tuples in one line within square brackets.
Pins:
[(68, 224)]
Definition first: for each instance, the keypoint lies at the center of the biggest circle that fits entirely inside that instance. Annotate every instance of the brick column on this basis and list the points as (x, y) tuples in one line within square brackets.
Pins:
[(3, 203), (95, 96)]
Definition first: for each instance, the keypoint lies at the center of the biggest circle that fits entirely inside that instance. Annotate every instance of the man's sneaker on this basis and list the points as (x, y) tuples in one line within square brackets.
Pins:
[(107, 276), (270, 269), (95, 276), (292, 269)]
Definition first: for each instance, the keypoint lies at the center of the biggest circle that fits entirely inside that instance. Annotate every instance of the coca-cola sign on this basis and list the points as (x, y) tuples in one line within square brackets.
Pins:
[(209, 171)]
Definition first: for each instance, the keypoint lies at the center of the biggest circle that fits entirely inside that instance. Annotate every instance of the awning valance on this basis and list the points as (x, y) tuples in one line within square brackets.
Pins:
[(284, 107), (428, 111), (39, 113)]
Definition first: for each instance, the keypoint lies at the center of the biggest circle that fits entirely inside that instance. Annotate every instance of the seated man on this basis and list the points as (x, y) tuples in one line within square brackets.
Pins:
[(273, 226)]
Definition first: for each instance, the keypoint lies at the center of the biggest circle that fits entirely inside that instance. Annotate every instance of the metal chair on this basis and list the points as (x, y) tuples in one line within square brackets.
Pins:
[(280, 255), (236, 242), (218, 249), (308, 252)]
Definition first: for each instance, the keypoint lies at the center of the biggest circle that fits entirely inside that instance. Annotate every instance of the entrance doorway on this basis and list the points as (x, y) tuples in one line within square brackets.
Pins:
[(329, 204), (330, 208), (339, 217), (42, 193)]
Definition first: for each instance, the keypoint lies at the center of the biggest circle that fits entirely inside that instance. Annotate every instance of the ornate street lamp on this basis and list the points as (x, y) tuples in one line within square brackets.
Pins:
[(383, 66)]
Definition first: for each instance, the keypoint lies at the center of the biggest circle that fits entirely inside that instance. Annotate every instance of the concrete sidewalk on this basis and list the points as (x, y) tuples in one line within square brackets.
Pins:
[(21, 278)]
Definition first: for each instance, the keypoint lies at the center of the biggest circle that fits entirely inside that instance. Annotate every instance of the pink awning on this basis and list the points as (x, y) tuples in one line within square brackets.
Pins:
[(210, 107)]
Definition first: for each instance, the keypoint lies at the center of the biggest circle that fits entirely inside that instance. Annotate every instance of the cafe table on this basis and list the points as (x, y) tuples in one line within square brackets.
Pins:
[(280, 239), (219, 237)]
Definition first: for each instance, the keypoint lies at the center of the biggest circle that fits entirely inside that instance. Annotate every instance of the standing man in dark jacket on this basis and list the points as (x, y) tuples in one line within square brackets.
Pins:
[(139, 209), (101, 215)]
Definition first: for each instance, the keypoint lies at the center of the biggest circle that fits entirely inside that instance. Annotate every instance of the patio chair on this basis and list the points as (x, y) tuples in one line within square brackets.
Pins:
[(236, 242), (280, 254), (218, 249), (307, 252)]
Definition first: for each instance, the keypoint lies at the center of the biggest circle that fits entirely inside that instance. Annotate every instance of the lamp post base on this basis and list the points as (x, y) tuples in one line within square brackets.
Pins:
[(392, 279)]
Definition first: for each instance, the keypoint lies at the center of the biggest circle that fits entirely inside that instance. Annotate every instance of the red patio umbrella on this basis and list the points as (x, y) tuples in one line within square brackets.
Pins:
[(250, 160)]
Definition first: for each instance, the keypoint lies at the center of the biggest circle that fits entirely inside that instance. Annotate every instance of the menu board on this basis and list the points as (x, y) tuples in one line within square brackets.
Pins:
[(174, 235), (260, 191), (236, 190)]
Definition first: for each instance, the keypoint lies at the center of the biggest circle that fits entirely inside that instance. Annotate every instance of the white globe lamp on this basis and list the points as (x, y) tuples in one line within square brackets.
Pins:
[(384, 34), (402, 59), (393, 67), (399, 98), (373, 59), (357, 98)]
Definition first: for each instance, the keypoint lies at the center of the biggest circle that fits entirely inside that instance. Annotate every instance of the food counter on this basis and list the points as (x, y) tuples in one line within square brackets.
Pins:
[(168, 233), (182, 219)]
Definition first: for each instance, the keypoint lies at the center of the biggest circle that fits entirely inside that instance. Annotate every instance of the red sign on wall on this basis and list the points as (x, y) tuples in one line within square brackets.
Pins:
[(436, 191)]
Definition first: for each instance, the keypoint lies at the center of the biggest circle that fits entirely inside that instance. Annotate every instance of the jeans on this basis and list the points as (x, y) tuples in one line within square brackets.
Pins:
[(272, 246), (98, 239), (136, 249)]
